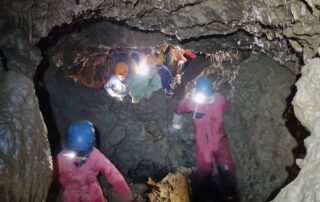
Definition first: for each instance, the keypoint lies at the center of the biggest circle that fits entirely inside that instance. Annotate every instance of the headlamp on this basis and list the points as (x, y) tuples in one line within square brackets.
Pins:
[(199, 98), (70, 154), (143, 69)]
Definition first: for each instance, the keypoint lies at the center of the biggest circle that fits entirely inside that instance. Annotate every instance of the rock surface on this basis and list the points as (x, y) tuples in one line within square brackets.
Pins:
[(25, 159), (266, 20), (273, 24), (260, 141), (19, 54), (174, 187), (305, 188)]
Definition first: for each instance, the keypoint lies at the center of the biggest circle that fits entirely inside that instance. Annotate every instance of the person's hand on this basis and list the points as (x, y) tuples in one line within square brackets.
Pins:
[(176, 126), (176, 121)]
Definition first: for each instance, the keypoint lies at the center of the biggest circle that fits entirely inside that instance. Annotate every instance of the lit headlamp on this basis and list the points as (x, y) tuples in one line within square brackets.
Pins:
[(70, 154), (143, 69), (199, 98)]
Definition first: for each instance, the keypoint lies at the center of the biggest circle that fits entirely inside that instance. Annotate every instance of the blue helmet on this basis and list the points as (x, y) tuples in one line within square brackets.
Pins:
[(81, 138), (204, 85)]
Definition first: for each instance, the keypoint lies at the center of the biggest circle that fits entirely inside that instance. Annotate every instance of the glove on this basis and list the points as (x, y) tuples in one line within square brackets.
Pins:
[(176, 122)]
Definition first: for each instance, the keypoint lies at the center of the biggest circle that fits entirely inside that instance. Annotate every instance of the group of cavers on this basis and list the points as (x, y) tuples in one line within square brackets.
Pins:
[(79, 163), (139, 75)]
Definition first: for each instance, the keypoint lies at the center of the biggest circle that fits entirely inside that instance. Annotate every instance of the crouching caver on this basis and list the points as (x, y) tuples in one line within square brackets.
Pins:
[(116, 85), (80, 163), (212, 146)]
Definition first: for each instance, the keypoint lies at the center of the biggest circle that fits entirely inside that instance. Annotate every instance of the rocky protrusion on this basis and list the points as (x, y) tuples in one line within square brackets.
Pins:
[(261, 143), (21, 56), (25, 159), (306, 187)]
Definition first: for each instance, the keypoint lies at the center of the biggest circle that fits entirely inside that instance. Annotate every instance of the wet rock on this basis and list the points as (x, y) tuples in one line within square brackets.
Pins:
[(25, 159), (307, 109), (20, 55), (174, 187), (261, 143), (184, 19)]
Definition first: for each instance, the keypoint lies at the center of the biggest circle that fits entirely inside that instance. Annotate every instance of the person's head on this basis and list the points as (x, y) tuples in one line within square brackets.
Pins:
[(136, 57), (121, 71), (81, 138), (203, 89)]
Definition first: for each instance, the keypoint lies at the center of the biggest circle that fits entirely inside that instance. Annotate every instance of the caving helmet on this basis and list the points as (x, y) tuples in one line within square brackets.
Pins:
[(121, 69), (204, 85), (81, 138)]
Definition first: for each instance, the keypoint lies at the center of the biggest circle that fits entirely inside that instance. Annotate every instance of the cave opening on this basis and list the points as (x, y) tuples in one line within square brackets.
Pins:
[(138, 138)]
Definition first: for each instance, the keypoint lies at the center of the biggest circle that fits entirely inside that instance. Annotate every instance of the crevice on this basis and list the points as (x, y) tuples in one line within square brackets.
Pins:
[(3, 61), (45, 107), (53, 135)]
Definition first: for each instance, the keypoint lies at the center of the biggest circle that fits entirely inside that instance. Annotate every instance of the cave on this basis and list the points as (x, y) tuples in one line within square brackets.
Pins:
[(259, 57)]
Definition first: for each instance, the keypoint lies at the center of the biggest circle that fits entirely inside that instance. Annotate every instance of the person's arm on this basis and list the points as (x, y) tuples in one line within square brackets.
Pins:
[(189, 53), (121, 190), (183, 107), (109, 88)]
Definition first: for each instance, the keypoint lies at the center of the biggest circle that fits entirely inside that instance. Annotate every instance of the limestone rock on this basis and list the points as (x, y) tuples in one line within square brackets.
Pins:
[(306, 187), (183, 19), (20, 55), (173, 188), (25, 159), (261, 142)]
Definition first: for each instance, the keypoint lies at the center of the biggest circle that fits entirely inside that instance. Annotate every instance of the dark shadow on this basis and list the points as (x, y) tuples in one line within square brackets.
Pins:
[(3, 60), (210, 189), (97, 134), (45, 107), (53, 134)]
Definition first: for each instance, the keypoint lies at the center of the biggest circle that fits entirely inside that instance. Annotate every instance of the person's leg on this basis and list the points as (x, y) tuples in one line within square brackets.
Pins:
[(204, 162), (227, 170), (223, 155)]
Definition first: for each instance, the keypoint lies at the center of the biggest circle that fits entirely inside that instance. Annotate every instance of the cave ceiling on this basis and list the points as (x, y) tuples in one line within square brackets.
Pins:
[(267, 21)]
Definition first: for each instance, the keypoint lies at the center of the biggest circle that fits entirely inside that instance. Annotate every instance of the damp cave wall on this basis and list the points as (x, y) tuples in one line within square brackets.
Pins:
[(292, 19)]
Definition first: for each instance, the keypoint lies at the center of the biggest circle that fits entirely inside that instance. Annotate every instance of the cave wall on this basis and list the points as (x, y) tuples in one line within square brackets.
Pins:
[(307, 108), (19, 55), (25, 159), (295, 19), (260, 141)]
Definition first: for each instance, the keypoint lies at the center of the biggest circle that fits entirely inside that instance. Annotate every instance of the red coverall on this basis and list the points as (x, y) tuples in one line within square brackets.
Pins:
[(211, 145), (81, 184)]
